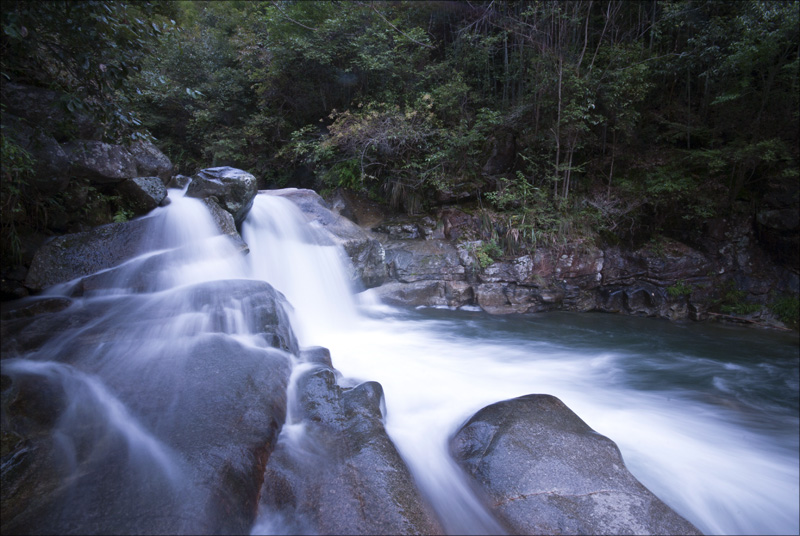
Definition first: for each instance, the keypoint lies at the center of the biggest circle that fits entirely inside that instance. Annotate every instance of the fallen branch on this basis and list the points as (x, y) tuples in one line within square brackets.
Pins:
[(748, 320)]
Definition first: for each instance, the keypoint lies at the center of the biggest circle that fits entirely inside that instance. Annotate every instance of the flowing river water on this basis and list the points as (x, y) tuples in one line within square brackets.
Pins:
[(706, 416)]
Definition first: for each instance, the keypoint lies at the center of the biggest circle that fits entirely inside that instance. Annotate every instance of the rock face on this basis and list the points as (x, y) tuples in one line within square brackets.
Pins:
[(336, 471), (366, 252), (233, 189), (158, 438), (77, 255), (144, 193), (665, 278), (545, 471)]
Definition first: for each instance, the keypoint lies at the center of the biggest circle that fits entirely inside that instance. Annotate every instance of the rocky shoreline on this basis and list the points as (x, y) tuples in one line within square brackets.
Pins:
[(426, 262)]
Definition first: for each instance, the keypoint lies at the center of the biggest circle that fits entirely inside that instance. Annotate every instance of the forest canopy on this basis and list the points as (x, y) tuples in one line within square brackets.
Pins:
[(606, 120)]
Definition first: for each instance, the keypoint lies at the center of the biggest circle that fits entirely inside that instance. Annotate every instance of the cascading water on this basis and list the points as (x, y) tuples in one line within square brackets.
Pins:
[(700, 447), (705, 416)]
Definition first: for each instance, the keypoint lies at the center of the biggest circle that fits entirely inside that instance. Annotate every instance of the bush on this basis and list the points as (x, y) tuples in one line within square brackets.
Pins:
[(787, 309)]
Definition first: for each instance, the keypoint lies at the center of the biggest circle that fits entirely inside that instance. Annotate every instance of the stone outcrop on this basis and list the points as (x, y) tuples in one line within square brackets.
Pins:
[(149, 441), (665, 278), (778, 222), (144, 193), (337, 471), (545, 471), (233, 189), (83, 255), (106, 163)]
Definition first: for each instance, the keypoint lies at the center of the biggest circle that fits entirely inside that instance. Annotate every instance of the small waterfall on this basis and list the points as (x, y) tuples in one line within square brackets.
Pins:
[(302, 262), (172, 332)]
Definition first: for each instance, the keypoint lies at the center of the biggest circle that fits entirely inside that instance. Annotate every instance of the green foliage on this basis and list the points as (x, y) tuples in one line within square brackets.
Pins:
[(622, 119), (680, 288), (87, 49), (734, 301), (787, 309), (15, 174), (487, 252)]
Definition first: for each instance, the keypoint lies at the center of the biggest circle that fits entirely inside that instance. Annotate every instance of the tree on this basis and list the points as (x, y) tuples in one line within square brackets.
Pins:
[(86, 49)]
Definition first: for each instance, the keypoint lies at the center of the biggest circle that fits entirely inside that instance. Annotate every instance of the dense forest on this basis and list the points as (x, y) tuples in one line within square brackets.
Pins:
[(562, 121)]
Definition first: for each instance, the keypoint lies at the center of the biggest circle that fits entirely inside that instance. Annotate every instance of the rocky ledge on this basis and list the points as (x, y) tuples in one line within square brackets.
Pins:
[(429, 262)]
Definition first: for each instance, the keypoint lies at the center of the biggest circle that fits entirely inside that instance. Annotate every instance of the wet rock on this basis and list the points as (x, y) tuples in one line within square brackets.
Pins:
[(426, 293), (179, 181), (545, 471), (226, 224), (335, 471), (71, 256), (411, 261), (158, 438), (143, 194), (100, 162), (232, 188), (150, 161), (78, 255)]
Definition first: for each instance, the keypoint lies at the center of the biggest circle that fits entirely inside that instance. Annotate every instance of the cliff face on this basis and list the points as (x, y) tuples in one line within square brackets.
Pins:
[(731, 269)]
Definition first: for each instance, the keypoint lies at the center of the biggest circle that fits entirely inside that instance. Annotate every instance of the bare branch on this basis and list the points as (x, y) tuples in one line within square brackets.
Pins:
[(290, 19), (426, 45)]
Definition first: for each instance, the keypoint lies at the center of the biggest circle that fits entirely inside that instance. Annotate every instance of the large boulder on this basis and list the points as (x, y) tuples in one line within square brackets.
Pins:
[(70, 256), (545, 471), (100, 162), (143, 194), (232, 188), (47, 108), (127, 432), (366, 252), (78, 255), (335, 470), (424, 260), (150, 161)]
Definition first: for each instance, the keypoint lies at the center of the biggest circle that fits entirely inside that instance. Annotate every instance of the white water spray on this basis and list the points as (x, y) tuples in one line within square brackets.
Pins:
[(699, 458)]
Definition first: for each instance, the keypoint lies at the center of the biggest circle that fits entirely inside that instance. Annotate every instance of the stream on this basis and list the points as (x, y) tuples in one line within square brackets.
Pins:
[(706, 415)]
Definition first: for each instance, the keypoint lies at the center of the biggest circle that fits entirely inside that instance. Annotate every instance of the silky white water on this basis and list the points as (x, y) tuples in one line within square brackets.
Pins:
[(705, 416)]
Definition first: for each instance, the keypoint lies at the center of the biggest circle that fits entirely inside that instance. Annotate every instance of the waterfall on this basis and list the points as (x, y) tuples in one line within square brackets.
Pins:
[(705, 417), (300, 260)]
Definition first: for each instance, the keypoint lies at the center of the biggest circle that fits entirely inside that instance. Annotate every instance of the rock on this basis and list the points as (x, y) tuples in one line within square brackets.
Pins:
[(179, 181), (399, 231), (40, 106), (778, 222), (545, 471), (357, 207), (233, 189), (151, 161), (143, 194), (426, 293), (366, 253), (410, 261), (336, 471), (78, 255), (160, 438), (502, 152), (226, 224), (100, 162), (70, 256)]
